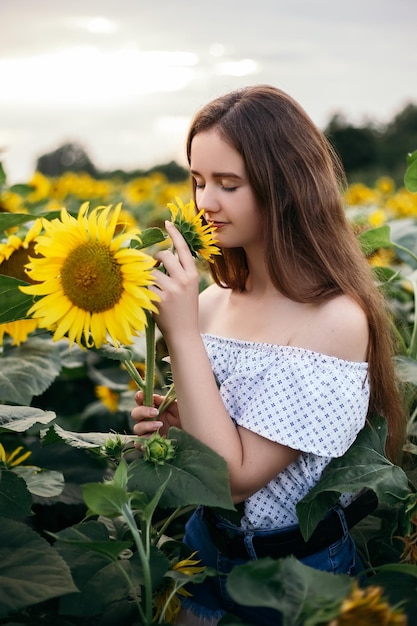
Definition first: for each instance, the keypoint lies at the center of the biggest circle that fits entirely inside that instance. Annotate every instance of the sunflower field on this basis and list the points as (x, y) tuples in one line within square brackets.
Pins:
[(91, 516)]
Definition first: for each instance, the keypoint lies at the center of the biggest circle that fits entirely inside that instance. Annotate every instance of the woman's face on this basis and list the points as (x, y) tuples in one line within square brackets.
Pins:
[(224, 192)]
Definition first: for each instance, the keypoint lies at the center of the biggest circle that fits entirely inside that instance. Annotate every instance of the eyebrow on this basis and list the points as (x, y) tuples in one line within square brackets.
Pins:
[(219, 174)]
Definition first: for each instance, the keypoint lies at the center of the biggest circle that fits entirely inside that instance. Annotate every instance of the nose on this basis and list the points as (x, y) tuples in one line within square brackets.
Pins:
[(207, 200)]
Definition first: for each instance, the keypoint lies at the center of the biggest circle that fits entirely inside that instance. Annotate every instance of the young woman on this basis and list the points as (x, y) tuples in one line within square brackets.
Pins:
[(293, 330)]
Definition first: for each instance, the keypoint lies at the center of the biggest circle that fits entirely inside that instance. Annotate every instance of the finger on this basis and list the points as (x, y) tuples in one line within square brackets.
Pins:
[(179, 242), (144, 413), (156, 398), (161, 279), (142, 429)]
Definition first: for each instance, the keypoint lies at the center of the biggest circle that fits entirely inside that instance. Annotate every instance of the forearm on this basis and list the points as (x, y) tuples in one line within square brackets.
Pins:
[(203, 413)]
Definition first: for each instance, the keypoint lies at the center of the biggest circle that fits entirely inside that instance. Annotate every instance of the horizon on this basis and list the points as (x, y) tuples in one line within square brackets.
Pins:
[(123, 81)]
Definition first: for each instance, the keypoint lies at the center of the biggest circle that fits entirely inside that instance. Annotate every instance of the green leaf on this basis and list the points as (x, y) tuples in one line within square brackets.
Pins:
[(385, 274), (199, 475), (120, 475), (374, 239), (404, 238), (410, 176), (406, 369), (151, 506), (105, 587), (31, 571), (22, 189), (149, 237), (88, 441), (109, 548), (21, 418), (116, 354), (28, 370), (2, 176), (304, 595), (363, 465), (399, 568), (105, 499), (14, 303), (41, 482), (99, 582), (105, 584), (89, 530), (11, 220), (15, 499), (399, 582)]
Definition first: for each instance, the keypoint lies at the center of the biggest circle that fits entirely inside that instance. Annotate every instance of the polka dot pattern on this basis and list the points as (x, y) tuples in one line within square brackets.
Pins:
[(303, 399)]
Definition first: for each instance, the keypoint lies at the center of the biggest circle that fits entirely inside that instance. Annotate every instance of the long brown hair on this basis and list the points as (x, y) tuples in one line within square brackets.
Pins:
[(313, 253)]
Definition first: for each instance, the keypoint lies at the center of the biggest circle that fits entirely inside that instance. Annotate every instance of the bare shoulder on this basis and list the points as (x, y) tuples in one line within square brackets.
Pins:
[(339, 328), (212, 294), (210, 300)]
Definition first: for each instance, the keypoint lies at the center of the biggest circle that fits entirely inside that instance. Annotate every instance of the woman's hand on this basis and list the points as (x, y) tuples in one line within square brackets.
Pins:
[(147, 419), (177, 287)]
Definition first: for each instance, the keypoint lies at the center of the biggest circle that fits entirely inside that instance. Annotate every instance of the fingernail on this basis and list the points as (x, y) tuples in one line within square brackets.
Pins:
[(153, 412), (157, 425)]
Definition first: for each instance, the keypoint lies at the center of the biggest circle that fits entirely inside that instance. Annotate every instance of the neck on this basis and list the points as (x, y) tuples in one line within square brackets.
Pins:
[(259, 282)]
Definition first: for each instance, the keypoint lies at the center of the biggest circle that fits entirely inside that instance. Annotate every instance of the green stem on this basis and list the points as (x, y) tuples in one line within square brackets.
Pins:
[(150, 361), (166, 522), (132, 589), (399, 339), (144, 558), (169, 398), (412, 348), (134, 374), (406, 250), (146, 532), (168, 601)]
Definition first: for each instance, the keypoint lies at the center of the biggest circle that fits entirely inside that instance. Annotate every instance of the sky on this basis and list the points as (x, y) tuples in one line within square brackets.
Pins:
[(123, 78)]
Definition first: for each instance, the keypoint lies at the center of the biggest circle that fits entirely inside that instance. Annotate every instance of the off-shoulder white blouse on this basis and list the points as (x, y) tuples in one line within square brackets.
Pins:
[(303, 399)]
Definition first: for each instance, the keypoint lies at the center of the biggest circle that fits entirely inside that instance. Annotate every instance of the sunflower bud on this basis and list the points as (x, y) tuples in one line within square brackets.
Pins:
[(158, 449), (113, 446)]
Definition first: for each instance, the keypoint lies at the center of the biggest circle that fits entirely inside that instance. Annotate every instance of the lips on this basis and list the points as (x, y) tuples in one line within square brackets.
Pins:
[(218, 224)]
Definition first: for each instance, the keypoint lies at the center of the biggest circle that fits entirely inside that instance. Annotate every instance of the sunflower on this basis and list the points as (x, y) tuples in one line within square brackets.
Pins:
[(17, 330), (41, 187), (92, 285), (11, 202), (15, 252), (199, 236), (108, 397), (366, 607), (165, 600), (13, 459), (384, 257)]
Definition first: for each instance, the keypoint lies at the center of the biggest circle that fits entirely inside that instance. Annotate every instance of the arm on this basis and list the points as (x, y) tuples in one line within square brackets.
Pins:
[(252, 460)]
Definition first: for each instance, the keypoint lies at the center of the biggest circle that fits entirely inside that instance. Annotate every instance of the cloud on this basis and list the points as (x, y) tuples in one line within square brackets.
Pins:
[(123, 78)]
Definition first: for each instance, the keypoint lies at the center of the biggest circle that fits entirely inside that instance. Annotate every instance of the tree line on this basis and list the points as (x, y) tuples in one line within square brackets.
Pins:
[(370, 151), (367, 152)]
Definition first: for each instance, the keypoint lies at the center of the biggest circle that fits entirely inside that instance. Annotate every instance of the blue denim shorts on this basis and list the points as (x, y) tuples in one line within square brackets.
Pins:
[(210, 598)]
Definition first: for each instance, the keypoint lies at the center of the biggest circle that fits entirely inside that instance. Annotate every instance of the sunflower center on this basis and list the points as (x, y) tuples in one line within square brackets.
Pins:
[(15, 265), (91, 278)]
